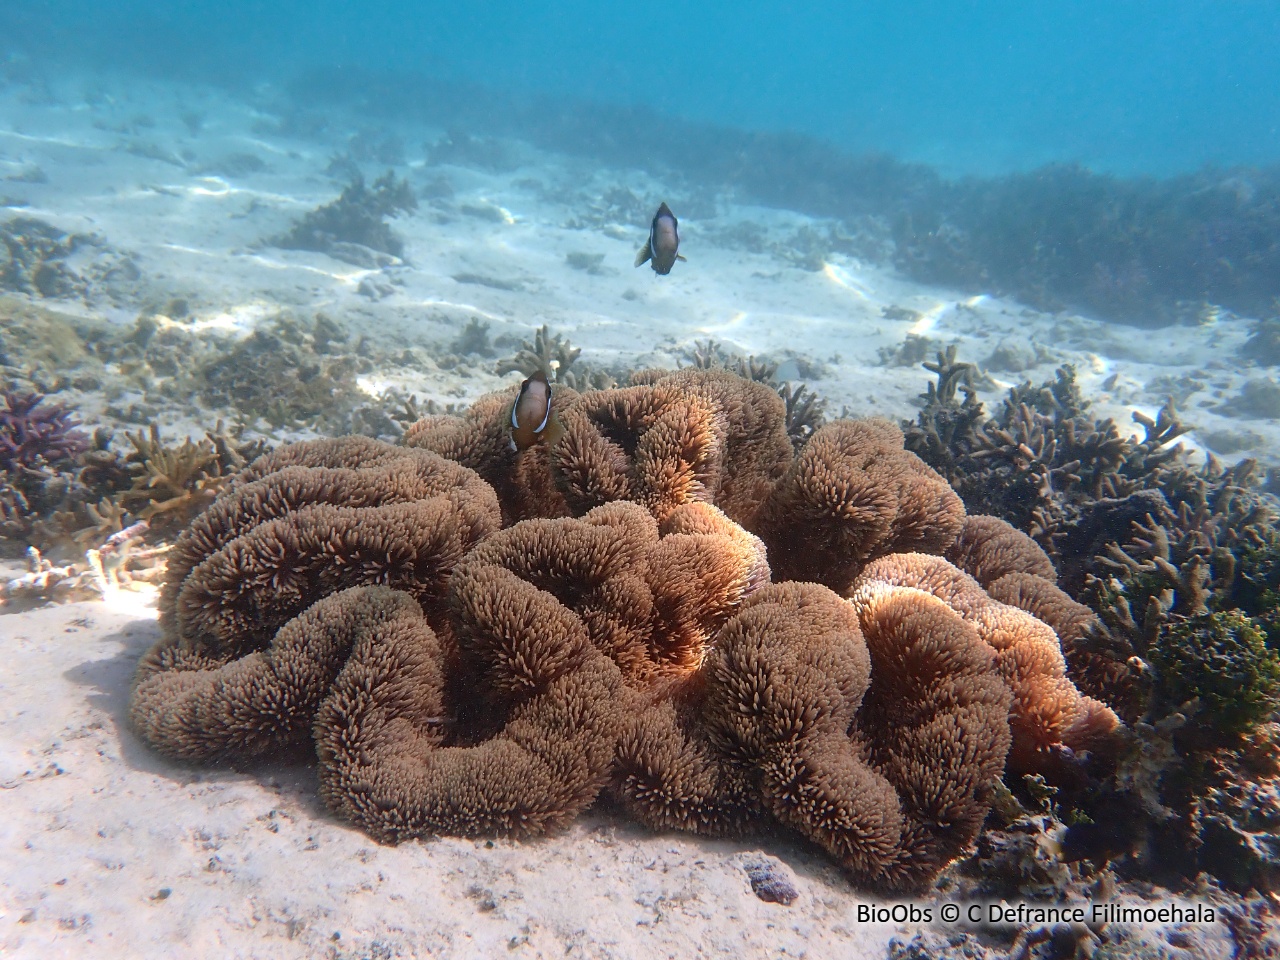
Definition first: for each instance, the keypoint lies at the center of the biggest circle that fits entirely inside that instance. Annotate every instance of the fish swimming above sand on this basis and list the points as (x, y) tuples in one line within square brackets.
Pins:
[(531, 417), (663, 245)]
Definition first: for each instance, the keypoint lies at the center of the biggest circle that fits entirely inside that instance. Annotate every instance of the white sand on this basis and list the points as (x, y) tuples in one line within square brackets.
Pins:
[(110, 851)]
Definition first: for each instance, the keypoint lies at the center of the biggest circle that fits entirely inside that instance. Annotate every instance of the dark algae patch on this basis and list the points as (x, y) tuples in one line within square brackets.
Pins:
[(358, 216)]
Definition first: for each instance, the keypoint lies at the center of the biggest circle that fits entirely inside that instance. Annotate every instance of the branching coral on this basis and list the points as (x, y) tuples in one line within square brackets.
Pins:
[(288, 373), (33, 258), (39, 488), (549, 353), (1039, 463), (173, 484), (34, 435)]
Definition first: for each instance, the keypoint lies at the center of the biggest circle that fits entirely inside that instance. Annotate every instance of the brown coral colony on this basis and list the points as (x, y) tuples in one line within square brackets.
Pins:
[(664, 603)]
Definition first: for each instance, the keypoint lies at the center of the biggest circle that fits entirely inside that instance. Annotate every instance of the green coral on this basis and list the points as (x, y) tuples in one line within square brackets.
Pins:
[(1256, 589), (1223, 660)]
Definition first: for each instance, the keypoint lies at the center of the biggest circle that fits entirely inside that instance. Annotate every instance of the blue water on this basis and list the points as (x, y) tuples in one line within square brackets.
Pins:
[(1133, 87)]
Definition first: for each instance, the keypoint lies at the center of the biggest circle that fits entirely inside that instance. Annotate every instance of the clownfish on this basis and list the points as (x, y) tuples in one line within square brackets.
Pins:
[(663, 245), (531, 417)]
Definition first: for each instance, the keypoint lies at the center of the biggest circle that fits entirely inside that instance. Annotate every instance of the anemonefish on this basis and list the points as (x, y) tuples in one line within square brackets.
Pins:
[(663, 245), (531, 417)]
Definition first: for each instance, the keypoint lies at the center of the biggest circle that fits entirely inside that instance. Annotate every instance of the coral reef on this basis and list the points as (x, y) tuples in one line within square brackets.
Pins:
[(1223, 661), (44, 583), (1263, 345), (39, 259), (553, 356), (466, 150), (1259, 398), (288, 371), (35, 436), (1135, 249), (1131, 250), (354, 227), (1039, 462)]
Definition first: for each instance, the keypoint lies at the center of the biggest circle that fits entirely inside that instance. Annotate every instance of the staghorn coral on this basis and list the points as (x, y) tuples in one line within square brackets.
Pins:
[(1039, 463), (170, 485), (549, 353), (289, 373), (40, 259), (806, 412), (1235, 816), (1263, 345), (554, 356), (35, 436), (853, 494), (43, 488), (1050, 718)]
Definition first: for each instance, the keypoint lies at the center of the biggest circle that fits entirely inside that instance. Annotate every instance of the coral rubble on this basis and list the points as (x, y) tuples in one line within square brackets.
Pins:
[(39, 259)]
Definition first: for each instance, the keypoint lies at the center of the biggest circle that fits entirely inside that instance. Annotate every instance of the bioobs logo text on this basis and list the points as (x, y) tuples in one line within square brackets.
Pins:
[(894, 913)]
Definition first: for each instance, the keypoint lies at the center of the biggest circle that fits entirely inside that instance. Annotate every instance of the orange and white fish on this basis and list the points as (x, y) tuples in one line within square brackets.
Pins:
[(531, 417), (663, 245)]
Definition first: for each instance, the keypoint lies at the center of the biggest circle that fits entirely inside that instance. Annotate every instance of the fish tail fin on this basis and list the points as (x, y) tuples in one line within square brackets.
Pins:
[(645, 253)]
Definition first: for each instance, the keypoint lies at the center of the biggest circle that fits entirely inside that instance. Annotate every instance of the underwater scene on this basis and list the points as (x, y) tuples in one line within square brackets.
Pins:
[(566, 480)]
